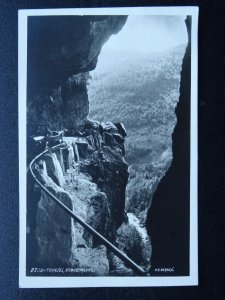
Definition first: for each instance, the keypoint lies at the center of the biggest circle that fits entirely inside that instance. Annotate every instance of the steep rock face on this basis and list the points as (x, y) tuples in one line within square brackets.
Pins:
[(107, 167), (61, 241), (92, 181), (75, 104), (168, 217), (111, 175), (57, 67), (89, 175), (54, 233), (62, 46), (99, 217)]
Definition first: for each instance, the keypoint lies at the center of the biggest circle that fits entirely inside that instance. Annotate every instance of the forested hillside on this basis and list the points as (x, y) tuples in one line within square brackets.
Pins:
[(141, 91)]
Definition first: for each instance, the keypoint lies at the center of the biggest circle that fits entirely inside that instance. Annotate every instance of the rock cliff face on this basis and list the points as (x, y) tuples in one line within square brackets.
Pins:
[(107, 167), (60, 241), (88, 174), (168, 217), (62, 46), (61, 50)]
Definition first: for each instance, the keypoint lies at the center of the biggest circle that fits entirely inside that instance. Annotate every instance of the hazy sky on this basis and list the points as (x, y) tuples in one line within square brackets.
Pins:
[(149, 34)]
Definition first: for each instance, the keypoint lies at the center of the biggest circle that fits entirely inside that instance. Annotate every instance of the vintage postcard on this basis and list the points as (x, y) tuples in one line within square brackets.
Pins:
[(108, 147)]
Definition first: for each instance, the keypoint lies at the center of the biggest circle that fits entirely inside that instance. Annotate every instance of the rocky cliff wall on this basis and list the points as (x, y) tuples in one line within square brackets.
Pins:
[(89, 175), (169, 215), (61, 50), (91, 179), (62, 46)]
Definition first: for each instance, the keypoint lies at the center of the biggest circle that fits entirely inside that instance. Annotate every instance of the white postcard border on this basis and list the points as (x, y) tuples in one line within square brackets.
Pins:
[(57, 282)]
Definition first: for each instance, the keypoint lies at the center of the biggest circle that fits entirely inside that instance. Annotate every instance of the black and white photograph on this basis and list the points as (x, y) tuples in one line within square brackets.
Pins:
[(108, 147)]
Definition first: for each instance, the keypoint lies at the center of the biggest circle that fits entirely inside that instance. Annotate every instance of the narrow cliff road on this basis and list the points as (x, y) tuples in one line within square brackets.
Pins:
[(127, 261)]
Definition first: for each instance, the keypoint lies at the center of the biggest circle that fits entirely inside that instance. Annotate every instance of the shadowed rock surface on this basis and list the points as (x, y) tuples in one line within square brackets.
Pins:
[(62, 46), (168, 217), (89, 172), (61, 51)]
